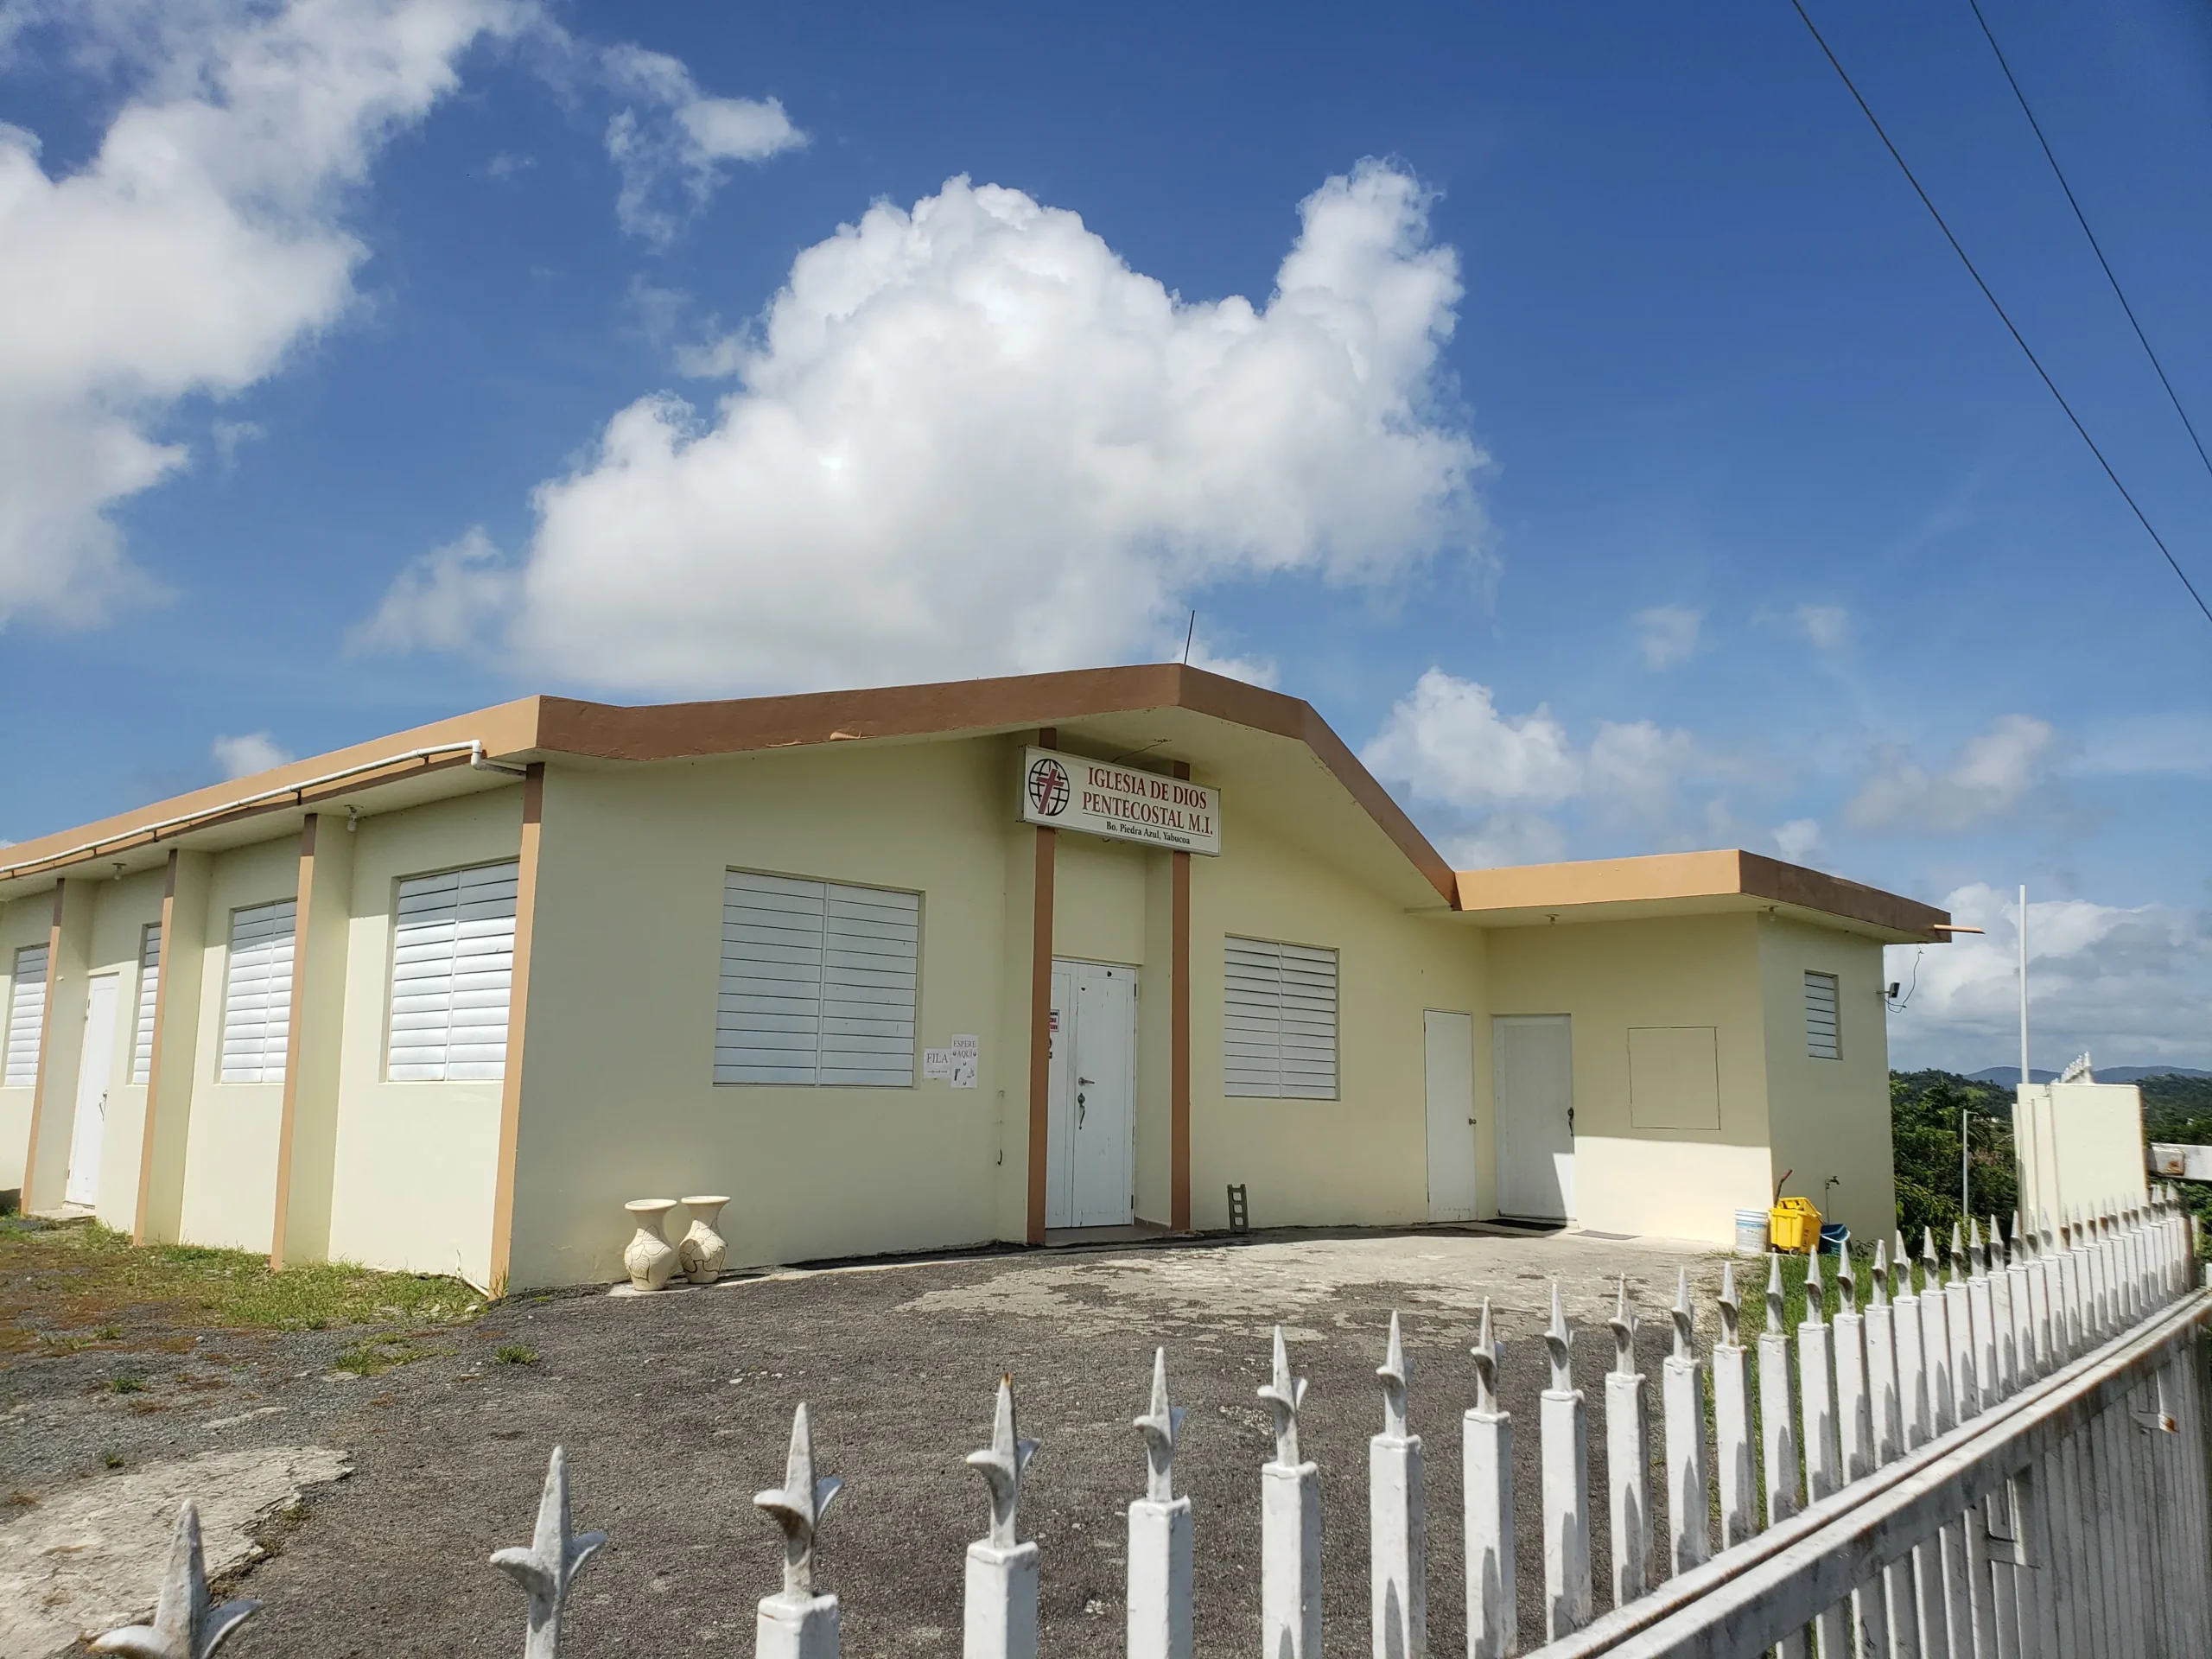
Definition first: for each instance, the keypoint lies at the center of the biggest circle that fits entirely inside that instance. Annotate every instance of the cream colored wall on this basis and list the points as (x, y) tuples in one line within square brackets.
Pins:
[(230, 1158), (618, 1099), (1830, 1117), (22, 921), (415, 1162), (1609, 977), (122, 911), (1362, 1157)]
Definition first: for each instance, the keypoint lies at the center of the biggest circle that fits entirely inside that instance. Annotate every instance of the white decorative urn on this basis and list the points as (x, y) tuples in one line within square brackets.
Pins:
[(701, 1250), (650, 1257)]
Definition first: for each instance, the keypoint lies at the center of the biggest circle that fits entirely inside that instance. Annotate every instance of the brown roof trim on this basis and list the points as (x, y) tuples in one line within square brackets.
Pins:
[(1721, 874), (677, 730), (547, 725)]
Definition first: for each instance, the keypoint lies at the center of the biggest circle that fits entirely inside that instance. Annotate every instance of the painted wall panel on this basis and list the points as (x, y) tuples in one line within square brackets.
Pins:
[(22, 921), (1362, 1157), (229, 1196), (391, 1206), (1701, 971), (618, 1096), (1831, 1117)]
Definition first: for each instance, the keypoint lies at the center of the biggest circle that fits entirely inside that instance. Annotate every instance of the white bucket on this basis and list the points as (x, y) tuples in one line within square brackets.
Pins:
[(1751, 1232)]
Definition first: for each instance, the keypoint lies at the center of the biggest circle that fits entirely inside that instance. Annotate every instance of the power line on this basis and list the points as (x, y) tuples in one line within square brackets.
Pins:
[(2034, 362), (2082, 220)]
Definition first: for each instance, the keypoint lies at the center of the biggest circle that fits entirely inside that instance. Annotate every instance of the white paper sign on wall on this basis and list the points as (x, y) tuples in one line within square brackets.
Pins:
[(1066, 792), (937, 1063), (967, 1054)]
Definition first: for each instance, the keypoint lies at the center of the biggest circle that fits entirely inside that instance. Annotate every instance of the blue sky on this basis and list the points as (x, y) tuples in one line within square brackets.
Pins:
[(1572, 402)]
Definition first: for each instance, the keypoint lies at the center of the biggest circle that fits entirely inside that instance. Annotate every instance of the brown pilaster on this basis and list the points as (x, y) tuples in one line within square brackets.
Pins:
[(503, 1191), (1040, 1015), (1178, 1045)]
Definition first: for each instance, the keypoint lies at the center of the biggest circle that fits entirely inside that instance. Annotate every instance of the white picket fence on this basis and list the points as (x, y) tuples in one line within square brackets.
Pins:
[(2007, 1465)]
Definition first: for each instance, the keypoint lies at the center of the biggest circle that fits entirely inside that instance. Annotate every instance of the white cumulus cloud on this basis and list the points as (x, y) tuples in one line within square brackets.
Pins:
[(246, 753), (968, 438), (210, 232), (1827, 627), (1668, 634), (1992, 773), (2128, 984), (1446, 742)]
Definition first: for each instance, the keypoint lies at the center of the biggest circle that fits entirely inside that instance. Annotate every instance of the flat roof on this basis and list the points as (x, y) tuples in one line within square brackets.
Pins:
[(1143, 712), (1690, 884)]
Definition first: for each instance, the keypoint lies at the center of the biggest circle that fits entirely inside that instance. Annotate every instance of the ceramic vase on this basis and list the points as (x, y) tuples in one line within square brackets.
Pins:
[(650, 1258), (702, 1250)]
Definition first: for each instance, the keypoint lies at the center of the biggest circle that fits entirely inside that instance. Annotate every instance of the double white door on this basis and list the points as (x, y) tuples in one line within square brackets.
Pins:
[(1091, 1144), (95, 1071), (1534, 1057)]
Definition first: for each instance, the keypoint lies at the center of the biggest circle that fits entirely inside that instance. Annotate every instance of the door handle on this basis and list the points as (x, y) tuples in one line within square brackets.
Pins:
[(1570, 1120), (1079, 1111)]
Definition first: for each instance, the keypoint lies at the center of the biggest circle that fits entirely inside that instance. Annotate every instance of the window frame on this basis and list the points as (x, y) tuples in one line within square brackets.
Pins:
[(911, 1080), (391, 972), (291, 984), (1282, 1092), (16, 979), (1835, 1014)]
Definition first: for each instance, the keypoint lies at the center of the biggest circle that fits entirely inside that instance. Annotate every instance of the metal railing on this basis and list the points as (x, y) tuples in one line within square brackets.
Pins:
[(2007, 1465)]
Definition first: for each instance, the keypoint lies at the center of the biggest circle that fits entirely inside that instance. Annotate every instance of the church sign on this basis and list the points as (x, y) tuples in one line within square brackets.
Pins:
[(1067, 792)]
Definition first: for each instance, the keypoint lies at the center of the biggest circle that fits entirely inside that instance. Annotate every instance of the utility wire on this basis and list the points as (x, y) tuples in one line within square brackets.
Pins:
[(2082, 220), (2034, 362)]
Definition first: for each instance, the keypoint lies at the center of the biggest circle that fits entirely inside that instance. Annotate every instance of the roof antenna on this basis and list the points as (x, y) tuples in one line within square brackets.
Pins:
[(1189, 634)]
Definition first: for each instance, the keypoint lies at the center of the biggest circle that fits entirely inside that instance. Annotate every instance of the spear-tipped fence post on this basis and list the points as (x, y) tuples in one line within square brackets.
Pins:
[(1000, 1619), (1918, 1316), (1681, 1389), (1290, 1527), (1960, 1322), (1777, 1410), (186, 1624), (1854, 1405), (1397, 1518), (1486, 1480), (2004, 1316), (1160, 1535), (1731, 1420), (1981, 1309), (1816, 1399), (544, 1567), (1628, 1458), (1886, 1400), (1566, 1426), (796, 1623), (1935, 1340)]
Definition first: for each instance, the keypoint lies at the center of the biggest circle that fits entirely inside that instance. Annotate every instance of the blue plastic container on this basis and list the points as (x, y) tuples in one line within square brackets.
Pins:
[(1833, 1236)]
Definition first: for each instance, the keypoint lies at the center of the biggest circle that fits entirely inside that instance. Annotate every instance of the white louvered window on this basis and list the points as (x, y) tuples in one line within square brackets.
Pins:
[(257, 994), (453, 963), (817, 982), (26, 1014), (1823, 1035), (1279, 1020), (150, 991)]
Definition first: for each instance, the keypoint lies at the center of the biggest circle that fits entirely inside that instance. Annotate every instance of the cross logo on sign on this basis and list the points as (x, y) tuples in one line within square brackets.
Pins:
[(1048, 786)]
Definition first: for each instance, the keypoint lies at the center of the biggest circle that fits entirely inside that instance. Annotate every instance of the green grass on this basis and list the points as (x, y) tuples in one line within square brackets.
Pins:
[(516, 1354), (61, 1288), (126, 1383), (374, 1356)]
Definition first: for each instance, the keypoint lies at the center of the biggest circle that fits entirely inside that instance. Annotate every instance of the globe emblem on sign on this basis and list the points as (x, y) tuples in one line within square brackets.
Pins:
[(1048, 787)]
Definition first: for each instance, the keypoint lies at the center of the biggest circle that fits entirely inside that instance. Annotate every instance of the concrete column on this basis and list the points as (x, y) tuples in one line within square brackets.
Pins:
[(791, 1627), (307, 1135), (1563, 1433), (61, 1045), (176, 1047)]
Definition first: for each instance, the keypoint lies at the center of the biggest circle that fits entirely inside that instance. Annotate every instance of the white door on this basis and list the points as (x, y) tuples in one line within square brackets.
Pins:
[(93, 1070), (1534, 1060), (1090, 1141), (1450, 1039)]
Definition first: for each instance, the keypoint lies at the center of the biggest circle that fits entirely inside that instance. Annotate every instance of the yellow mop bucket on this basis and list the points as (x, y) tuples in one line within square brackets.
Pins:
[(1793, 1224)]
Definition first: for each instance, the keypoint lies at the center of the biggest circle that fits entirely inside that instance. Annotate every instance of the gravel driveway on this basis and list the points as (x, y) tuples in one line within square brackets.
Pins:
[(675, 1409)]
